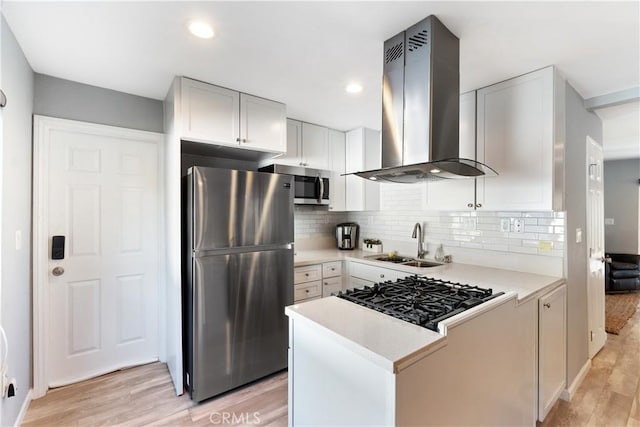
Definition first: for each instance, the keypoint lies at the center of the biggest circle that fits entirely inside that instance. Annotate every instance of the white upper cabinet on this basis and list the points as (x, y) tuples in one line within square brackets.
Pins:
[(459, 194), (262, 124), (212, 114), (363, 152), (337, 201), (516, 137), (315, 146), (293, 154), (307, 145)]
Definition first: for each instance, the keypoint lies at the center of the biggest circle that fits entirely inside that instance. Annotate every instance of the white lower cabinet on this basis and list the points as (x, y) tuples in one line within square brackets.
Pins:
[(317, 281), (552, 345), (361, 274)]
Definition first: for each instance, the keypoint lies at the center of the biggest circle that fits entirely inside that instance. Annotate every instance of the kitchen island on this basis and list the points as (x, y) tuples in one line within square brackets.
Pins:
[(350, 365)]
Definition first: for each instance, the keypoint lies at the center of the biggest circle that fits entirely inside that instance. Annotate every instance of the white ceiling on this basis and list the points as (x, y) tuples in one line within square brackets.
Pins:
[(304, 54)]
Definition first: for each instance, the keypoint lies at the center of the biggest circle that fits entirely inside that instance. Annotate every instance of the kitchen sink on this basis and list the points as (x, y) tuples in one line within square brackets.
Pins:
[(404, 260), (395, 259), (421, 264)]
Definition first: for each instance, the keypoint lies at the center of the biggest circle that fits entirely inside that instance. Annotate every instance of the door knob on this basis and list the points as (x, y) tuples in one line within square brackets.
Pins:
[(57, 271)]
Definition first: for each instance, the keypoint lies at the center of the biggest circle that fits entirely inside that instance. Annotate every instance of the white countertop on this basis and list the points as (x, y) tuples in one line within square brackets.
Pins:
[(393, 343), (385, 340), (525, 285)]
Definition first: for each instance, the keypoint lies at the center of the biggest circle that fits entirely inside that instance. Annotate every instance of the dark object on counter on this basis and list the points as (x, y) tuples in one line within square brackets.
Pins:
[(347, 235), (422, 301), (622, 273)]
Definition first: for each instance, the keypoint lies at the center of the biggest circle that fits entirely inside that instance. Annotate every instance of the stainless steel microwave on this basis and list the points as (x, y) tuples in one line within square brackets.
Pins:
[(311, 186)]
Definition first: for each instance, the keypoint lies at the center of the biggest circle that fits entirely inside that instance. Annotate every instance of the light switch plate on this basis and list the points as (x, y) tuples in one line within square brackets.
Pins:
[(609, 221), (578, 235)]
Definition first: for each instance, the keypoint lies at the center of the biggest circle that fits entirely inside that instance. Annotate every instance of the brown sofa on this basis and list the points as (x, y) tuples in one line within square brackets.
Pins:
[(622, 273)]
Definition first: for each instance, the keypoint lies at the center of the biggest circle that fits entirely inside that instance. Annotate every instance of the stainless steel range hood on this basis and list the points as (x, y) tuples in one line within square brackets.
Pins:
[(420, 108)]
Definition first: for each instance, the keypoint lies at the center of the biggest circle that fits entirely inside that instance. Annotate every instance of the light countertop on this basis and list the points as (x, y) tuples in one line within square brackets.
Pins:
[(526, 285), (393, 343), (389, 342)]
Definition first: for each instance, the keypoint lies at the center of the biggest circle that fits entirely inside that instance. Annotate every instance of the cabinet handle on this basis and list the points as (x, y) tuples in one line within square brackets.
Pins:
[(326, 284), (547, 305), (306, 274), (244, 140), (469, 205), (382, 276), (306, 290), (333, 269), (479, 205)]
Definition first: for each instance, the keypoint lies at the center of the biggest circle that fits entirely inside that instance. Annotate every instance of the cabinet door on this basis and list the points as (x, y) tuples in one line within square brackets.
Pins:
[(209, 113), (354, 162), (458, 194), (262, 124), (338, 183), (372, 160), (515, 131), (552, 349), (315, 146), (294, 145)]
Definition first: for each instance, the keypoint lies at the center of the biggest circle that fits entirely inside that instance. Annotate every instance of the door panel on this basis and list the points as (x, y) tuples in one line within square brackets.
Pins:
[(240, 331), (240, 212), (103, 196), (263, 124), (595, 240)]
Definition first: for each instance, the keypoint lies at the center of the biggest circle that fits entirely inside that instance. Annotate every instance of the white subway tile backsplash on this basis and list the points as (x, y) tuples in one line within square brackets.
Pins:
[(456, 229), (471, 230)]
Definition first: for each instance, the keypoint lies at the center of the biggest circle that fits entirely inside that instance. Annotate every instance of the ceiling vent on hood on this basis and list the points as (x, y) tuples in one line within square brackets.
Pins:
[(420, 108)]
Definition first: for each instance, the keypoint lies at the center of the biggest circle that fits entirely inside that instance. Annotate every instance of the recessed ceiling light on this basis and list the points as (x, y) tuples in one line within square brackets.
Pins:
[(373, 178), (435, 171), (201, 29), (354, 88)]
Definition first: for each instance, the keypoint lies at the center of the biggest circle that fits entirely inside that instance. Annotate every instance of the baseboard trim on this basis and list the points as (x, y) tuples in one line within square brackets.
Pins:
[(570, 391), (23, 409)]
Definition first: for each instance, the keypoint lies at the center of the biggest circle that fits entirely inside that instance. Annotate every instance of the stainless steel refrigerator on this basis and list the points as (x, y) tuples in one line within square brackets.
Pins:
[(239, 277)]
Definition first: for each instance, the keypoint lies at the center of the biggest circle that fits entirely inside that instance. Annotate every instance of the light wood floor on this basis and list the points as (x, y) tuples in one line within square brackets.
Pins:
[(144, 395), (610, 393), (609, 396)]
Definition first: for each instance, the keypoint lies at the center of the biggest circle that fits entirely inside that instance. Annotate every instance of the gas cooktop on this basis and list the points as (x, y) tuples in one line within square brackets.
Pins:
[(419, 300)]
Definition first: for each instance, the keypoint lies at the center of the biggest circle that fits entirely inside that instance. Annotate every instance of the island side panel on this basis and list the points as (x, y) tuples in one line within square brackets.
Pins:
[(484, 376), (330, 385)]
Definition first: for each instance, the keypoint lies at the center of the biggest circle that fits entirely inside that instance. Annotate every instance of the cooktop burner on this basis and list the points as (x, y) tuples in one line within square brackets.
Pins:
[(419, 300)]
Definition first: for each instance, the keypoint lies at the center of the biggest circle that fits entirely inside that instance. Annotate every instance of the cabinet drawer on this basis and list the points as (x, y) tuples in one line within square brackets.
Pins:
[(308, 273), (331, 285), (375, 274), (332, 269), (307, 290), (357, 283)]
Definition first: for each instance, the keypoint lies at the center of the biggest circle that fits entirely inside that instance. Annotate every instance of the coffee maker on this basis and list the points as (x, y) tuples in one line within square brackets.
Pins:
[(347, 235)]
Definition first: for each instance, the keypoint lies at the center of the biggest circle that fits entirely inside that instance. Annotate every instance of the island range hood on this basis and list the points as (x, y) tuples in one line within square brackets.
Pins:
[(420, 108)]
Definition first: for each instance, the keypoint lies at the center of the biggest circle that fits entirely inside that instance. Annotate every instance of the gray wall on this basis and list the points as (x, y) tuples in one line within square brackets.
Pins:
[(17, 83), (76, 101), (621, 192), (579, 124)]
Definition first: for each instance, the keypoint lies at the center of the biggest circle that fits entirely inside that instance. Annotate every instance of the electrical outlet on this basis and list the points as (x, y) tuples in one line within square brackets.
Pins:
[(517, 225), (609, 221), (505, 225)]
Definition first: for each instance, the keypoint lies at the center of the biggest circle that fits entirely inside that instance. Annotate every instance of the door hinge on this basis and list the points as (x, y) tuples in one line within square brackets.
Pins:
[(591, 335)]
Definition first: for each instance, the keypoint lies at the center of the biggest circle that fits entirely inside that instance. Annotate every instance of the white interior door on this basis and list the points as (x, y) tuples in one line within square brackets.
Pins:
[(595, 240), (101, 194)]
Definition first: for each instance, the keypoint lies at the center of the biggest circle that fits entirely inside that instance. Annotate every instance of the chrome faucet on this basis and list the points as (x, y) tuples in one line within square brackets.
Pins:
[(417, 234)]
